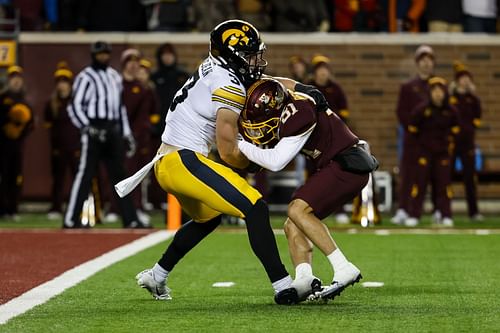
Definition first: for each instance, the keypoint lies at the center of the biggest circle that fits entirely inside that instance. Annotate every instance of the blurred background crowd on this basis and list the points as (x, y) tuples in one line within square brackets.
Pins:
[(271, 15)]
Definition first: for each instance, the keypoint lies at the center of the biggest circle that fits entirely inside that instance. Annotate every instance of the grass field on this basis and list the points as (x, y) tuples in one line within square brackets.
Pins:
[(439, 283)]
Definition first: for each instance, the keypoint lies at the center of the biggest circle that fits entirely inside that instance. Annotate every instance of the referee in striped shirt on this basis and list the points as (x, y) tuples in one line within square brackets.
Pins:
[(97, 110)]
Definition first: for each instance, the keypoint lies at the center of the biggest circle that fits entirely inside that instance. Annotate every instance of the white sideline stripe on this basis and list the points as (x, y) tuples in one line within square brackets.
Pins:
[(72, 277)]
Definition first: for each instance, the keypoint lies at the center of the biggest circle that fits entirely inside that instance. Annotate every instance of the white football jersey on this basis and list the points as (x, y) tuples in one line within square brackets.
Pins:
[(190, 122)]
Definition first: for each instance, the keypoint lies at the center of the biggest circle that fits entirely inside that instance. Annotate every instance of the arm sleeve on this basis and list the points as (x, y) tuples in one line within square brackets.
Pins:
[(77, 107), (124, 120), (278, 157)]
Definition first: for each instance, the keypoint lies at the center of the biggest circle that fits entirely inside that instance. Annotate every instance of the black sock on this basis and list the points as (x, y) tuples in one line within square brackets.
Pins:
[(263, 242), (188, 236)]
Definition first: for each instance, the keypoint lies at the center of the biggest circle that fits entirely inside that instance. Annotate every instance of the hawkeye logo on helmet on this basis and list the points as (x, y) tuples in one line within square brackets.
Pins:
[(236, 36)]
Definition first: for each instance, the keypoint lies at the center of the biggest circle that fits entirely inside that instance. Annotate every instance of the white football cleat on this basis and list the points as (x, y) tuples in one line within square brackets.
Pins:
[(159, 290), (447, 222), (306, 286), (411, 222), (343, 278), (399, 217)]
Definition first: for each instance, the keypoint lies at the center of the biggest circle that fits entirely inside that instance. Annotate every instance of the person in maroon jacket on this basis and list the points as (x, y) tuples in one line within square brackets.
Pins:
[(322, 79), (16, 122), (411, 94), (291, 123), (334, 94), (434, 125), (141, 107), (468, 106), (64, 137)]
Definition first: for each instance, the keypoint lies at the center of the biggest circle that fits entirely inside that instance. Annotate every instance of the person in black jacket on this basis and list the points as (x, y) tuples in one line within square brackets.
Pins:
[(168, 78)]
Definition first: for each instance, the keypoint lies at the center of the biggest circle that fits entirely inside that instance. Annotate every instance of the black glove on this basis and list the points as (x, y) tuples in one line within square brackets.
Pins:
[(319, 98), (253, 167), (95, 133), (131, 145)]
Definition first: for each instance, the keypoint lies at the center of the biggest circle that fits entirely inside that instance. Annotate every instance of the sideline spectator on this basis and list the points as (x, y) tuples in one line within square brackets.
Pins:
[(298, 69), (322, 79), (255, 11), (207, 14), (411, 94), (300, 16), (357, 15), (444, 16), (110, 15), (141, 106), (16, 122), (468, 106), (404, 15), (433, 123), (168, 78), (480, 15), (97, 110), (167, 15), (334, 94), (64, 137)]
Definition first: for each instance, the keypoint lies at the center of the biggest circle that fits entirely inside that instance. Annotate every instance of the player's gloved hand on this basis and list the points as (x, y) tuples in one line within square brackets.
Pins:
[(319, 98), (131, 146), (95, 133), (253, 167)]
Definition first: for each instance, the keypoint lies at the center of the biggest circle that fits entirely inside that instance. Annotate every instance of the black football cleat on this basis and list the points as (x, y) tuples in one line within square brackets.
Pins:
[(287, 296)]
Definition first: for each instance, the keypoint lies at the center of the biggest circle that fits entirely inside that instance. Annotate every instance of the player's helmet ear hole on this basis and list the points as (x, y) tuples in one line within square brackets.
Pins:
[(261, 116)]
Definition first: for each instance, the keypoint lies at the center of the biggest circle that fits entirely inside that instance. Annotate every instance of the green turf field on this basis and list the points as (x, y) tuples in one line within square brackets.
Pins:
[(438, 283)]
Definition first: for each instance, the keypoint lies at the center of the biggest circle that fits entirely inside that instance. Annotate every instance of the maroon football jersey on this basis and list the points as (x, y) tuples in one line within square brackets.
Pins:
[(330, 136)]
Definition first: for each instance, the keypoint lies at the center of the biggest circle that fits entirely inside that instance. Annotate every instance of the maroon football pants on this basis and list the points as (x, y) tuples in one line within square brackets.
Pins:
[(330, 188)]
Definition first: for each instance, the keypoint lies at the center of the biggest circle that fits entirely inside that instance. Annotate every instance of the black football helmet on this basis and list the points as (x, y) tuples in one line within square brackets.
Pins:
[(260, 118), (239, 46)]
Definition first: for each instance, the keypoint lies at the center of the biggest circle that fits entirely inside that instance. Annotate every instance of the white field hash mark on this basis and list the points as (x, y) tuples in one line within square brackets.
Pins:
[(72, 277)]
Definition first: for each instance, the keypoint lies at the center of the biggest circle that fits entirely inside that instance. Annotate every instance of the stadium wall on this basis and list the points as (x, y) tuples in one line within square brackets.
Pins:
[(369, 67)]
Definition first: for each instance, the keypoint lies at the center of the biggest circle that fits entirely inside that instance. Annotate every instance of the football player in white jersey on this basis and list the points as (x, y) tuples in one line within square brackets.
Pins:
[(204, 113)]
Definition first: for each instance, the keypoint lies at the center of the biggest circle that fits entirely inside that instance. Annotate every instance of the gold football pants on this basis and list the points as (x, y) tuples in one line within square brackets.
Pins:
[(204, 188)]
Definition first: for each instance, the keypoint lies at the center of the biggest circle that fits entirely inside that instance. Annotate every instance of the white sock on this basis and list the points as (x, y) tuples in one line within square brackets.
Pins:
[(337, 259), (303, 270), (159, 273), (282, 284)]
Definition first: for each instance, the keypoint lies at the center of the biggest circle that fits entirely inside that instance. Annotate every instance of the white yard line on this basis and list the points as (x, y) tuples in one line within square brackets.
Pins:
[(68, 279)]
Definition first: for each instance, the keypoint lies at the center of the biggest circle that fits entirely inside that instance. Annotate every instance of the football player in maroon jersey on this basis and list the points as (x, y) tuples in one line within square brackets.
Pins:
[(289, 123)]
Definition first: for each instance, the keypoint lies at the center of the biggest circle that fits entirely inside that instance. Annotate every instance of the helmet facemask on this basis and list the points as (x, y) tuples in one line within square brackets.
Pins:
[(254, 65), (261, 133)]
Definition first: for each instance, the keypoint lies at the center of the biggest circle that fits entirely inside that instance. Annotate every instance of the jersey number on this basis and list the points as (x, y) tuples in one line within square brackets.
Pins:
[(184, 91), (289, 111)]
